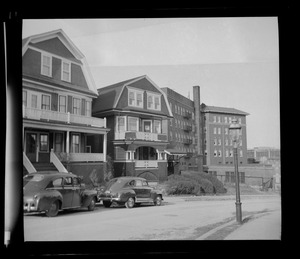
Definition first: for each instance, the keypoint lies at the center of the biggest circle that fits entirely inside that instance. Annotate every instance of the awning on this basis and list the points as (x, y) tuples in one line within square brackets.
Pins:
[(175, 152)]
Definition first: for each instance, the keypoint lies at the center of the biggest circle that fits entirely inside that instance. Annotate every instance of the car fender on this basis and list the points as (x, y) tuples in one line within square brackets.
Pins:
[(87, 196), (125, 194), (44, 199), (155, 193)]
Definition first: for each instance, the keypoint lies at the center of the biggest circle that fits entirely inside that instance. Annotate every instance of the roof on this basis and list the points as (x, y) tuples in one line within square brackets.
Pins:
[(109, 96), (61, 35), (226, 110)]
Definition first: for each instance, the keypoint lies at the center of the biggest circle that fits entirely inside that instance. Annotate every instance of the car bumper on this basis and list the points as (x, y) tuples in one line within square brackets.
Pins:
[(30, 206)]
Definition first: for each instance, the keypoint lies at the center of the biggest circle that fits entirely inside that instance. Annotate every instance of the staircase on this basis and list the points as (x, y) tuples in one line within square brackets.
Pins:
[(44, 167)]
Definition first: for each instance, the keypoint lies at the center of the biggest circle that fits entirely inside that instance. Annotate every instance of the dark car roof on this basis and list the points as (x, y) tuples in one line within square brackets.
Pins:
[(130, 178)]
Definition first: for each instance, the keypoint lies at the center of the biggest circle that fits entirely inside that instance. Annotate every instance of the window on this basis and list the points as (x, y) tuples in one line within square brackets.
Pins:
[(44, 142), (219, 119), (240, 120), (153, 102), (231, 153), (215, 130), (219, 130), (133, 124), (227, 177), (241, 153), (219, 142), (34, 101), (66, 71), (57, 182), (75, 143), (24, 97), (226, 131), (62, 103), (46, 102), (121, 124), (68, 181), (215, 142), (157, 126), (76, 106), (220, 153), (135, 98), (215, 153), (88, 108), (225, 120), (242, 177), (46, 68), (215, 118), (226, 142), (226, 153)]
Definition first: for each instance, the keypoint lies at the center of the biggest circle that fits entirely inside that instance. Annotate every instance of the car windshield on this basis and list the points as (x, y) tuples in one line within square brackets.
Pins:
[(115, 184), (32, 179)]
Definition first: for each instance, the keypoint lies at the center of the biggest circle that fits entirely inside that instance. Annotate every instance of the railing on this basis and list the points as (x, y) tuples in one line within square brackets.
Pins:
[(80, 157), (39, 114), (148, 136), (146, 163), (28, 165), (55, 160)]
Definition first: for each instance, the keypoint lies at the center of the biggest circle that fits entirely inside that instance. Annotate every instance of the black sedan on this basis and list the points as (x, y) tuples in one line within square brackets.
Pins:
[(129, 191), (52, 191)]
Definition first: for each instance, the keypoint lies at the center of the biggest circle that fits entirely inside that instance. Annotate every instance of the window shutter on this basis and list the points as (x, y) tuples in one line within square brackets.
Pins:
[(54, 102), (69, 104), (82, 106)]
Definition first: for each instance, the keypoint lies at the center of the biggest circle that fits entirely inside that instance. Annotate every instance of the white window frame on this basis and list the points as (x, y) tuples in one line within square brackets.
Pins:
[(159, 130), (59, 105), (136, 124), (24, 100), (117, 123), (63, 71), (135, 95), (79, 113), (88, 108), (36, 100), (40, 142), (42, 64), (154, 96), (151, 125), (49, 102), (79, 142)]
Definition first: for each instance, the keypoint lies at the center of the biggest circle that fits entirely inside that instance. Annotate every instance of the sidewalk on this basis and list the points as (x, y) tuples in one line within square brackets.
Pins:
[(266, 227)]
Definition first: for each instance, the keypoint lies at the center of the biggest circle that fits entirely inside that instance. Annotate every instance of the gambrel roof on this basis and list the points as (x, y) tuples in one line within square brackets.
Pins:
[(39, 41), (110, 96)]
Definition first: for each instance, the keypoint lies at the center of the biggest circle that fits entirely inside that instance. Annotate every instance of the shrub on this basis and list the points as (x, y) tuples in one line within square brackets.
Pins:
[(218, 186), (178, 184)]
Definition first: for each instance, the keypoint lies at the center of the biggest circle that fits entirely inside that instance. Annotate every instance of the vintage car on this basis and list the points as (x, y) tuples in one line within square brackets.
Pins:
[(51, 191), (129, 191)]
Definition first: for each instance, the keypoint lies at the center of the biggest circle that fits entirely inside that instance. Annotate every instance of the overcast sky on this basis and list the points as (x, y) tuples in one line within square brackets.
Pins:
[(235, 61)]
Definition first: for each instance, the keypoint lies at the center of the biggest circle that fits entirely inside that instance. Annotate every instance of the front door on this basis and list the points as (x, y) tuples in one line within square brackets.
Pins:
[(32, 146)]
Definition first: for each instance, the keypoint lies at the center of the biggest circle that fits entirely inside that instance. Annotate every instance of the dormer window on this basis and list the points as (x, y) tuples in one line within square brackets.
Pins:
[(135, 98), (46, 68), (153, 102), (66, 71)]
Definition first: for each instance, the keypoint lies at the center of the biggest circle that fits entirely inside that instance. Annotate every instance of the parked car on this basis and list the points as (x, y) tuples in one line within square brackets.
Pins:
[(51, 191), (129, 191)]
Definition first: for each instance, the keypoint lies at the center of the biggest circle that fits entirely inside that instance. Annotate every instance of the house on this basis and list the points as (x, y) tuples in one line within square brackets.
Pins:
[(59, 131), (138, 113)]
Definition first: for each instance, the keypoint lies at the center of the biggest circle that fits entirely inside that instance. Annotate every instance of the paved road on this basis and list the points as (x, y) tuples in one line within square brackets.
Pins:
[(177, 219)]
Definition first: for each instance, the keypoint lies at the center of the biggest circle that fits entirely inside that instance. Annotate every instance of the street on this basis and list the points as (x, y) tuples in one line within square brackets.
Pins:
[(178, 218)]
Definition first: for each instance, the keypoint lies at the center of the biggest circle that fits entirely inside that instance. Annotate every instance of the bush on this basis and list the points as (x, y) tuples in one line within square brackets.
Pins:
[(178, 184), (218, 186)]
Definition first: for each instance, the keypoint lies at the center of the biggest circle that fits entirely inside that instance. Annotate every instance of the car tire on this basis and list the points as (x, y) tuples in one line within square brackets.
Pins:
[(106, 204), (158, 200), (92, 205), (129, 203), (53, 210)]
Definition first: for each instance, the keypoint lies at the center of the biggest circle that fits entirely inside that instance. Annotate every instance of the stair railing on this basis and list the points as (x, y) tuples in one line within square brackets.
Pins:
[(59, 166), (28, 165)]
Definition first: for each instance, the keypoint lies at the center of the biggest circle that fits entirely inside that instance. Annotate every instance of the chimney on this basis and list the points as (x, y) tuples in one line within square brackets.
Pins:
[(198, 122)]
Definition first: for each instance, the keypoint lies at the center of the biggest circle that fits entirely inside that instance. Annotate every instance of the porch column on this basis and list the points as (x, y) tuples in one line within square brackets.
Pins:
[(68, 143), (104, 146)]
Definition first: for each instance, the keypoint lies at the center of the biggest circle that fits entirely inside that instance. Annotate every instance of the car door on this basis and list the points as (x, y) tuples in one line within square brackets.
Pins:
[(76, 202), (146, 189), (67, 192), (138, 188)]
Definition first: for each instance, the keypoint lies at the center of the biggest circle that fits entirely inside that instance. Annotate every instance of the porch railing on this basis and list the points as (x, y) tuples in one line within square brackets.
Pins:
[(39, 114), (146, 163), (147, 136), (80, 157)]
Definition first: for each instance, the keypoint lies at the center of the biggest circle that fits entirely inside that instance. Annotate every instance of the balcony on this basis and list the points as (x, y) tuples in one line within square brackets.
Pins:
[(146, 164), (139, 135), (187, 128), (47, 115), (187, 115), (187, 142)]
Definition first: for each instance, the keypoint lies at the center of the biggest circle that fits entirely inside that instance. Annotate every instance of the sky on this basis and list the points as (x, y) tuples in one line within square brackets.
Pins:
[(235, 61)]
